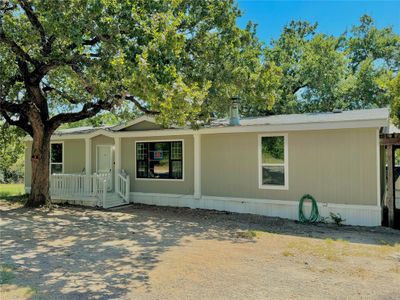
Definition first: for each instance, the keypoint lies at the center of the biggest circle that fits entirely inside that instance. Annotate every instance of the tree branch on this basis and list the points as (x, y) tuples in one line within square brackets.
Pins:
[(11, 107), (91, 42), (88, 87), (16, 48), (21, 122), (88, 110), (139, 105), (299, 87), (7, 8), (18, 109), (42, 69), (48, 88), (33, 19)]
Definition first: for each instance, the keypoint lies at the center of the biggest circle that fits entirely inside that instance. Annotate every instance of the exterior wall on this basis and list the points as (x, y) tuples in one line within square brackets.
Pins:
[(335, 166), (128, 163), (74, 156)]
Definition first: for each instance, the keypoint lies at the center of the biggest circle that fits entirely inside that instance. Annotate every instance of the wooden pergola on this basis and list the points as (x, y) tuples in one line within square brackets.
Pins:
[(391, 141)]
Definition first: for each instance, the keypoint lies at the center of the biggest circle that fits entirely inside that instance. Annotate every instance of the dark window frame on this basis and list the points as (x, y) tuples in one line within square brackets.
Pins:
[(146, 159), (51, 162)]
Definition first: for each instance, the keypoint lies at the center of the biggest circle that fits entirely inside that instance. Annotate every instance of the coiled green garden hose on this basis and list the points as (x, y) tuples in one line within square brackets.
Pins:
[(314, 216)]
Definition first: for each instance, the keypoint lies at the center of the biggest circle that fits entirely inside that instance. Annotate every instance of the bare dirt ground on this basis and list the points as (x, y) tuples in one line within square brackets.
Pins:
[(145, 252)]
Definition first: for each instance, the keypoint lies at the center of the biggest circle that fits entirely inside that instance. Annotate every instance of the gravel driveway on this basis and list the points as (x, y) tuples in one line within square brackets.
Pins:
[(146, 252)]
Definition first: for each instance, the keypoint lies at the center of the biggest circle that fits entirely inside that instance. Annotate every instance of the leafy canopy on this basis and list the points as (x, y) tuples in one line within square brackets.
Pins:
[(180, 60), (321, 72)]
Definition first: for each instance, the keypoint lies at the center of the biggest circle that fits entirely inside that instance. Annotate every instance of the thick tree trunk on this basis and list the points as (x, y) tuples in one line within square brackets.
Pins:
[(40, 171)]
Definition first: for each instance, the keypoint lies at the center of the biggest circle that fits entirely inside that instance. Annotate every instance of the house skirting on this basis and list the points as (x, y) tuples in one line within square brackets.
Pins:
[(365, 215)]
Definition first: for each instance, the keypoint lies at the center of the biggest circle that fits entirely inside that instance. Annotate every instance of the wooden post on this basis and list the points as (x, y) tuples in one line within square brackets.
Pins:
[(390, 185)]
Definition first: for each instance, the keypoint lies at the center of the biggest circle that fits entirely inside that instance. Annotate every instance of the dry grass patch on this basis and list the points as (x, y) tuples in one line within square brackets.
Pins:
[(15, 292), (249, 234), (287, 253), (328, 249), (337, 250)]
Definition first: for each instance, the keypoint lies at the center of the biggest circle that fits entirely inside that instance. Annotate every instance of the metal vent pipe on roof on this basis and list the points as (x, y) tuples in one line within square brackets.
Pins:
[(234, 118)]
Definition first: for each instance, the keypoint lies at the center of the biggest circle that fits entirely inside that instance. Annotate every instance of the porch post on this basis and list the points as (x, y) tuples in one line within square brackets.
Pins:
[(88, 163), (197, 166), (117, 159), (88, 156)]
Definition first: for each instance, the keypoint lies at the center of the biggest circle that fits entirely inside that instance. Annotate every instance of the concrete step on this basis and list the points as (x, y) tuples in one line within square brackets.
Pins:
[(115, 204), (113, 200)]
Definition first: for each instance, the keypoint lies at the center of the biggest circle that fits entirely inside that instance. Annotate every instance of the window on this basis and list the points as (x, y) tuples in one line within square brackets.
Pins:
[(159, 160), (273, 169), (56, 158)]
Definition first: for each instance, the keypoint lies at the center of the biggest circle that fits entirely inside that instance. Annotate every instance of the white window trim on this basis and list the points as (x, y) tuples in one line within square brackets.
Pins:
[(161, 141), (285, 164), (63, 160)]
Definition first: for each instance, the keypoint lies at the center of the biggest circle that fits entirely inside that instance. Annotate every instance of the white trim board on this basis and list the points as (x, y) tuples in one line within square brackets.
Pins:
[(364, 215)]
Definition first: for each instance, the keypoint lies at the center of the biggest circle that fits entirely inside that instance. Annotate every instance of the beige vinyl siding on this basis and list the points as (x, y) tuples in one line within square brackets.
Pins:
[(74, 156), (335, 166), (184, 186)]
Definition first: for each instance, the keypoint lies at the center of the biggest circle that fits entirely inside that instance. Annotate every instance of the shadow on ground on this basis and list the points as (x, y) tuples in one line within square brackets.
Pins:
[(79, 253)]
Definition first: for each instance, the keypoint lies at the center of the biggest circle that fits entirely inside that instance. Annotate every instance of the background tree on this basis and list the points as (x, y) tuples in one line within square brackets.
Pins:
[(11, 153), (322, 73), (66, 61)]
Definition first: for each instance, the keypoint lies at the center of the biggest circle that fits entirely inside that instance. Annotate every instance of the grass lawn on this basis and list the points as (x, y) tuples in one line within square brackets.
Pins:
[(11, 189)]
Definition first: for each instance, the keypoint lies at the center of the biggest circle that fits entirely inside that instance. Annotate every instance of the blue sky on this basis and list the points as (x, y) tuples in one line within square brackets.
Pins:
[(333, 17)]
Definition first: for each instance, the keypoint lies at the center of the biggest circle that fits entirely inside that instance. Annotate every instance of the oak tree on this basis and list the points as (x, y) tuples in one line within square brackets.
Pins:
[(66, 61)]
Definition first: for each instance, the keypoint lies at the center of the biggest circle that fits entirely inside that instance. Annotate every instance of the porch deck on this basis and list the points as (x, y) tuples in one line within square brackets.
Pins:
[(112, 200), (89, 190)]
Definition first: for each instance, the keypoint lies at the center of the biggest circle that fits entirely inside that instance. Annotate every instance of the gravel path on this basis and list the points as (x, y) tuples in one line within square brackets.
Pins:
[(147, 252)]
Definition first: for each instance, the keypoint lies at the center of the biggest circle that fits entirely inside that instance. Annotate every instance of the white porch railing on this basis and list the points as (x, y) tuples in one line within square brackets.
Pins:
[(123, 186), (107, 176), (79, 185)]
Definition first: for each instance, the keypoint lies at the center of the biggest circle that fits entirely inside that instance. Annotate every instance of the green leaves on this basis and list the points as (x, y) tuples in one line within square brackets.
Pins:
[(182, 59), (322, 72)]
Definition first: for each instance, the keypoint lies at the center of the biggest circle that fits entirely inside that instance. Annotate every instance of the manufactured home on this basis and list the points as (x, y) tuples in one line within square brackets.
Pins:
[(260, 165)]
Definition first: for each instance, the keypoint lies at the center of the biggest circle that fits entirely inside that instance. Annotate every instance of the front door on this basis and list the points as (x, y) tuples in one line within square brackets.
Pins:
[(104, 163)]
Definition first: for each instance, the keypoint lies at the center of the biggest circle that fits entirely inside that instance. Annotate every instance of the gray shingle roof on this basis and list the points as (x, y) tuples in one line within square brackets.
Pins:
[(354, 115), (80, 130)]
